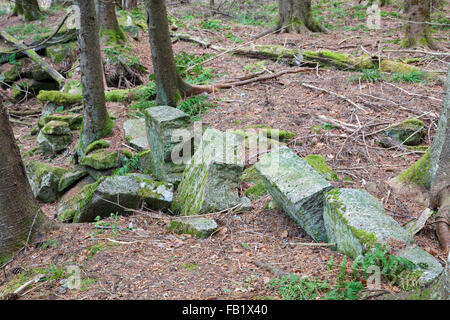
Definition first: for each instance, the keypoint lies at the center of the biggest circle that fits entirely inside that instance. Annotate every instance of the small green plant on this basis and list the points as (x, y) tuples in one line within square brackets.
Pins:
[(94, 250), (48, 244), (197, 74), (213, 25), (233, 38), (410, 77), (370, 75), (190, 266), (294, 288), (128, 165), (196, 106), (53, 272)]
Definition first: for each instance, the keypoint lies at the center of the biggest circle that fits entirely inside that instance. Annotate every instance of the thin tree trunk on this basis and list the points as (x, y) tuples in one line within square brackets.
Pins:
[(110, 30), (129, 4), (417, 31), (20, 216), (296, 15), (169, 85), (28, 8), (96, 123)]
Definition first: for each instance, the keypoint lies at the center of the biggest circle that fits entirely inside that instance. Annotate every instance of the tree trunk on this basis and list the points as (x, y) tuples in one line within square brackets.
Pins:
[(29, 9), (417, 29), (96, 123), (297, 15), (110, 30), (129, 4), (169, 85), (440, 171), (20, 216)]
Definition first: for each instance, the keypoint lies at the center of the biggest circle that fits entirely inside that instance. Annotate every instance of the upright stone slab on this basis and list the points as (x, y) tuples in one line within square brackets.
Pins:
[(210, 180), (356, 222), (135, 133), (440, 149), (297, 188), (168, 128)]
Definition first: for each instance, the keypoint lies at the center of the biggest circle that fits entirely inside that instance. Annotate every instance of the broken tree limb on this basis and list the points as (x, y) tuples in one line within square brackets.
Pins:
[(34, 57), (306, 85)]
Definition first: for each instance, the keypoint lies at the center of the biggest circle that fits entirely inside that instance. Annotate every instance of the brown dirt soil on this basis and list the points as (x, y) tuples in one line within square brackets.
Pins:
[(152, 263)]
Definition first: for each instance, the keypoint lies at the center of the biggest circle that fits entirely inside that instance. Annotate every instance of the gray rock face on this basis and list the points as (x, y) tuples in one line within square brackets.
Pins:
[(356, 221), (197, 226), (210, 180), (54, 137), (168, 130), (129, 191), (44, 180), (297, 188), (440, 149), (425, 262), (135, 133)]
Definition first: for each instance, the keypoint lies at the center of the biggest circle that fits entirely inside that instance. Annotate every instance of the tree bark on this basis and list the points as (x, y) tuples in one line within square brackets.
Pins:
[(296, 15), (169, 85), (417, 31), (28, 8), (96, 123), (20, 216), (129, 4), (110, 30)]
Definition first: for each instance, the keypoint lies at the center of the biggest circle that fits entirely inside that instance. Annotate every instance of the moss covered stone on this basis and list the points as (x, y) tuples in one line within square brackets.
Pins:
[(197, 226), (101, 160), (319, 164), (56, 127), (410, 132), (168, 131), (98, 144), (419, 173), (210, 180), (44, 180), (297, 188), (59, 97), (357, 222), (116, 194), (145, 162), (70, 178), (10, 72), (75, 121)]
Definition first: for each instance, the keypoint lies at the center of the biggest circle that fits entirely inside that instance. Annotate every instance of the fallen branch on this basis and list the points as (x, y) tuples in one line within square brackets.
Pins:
[(277, 272), (34, 57), (334, 94)]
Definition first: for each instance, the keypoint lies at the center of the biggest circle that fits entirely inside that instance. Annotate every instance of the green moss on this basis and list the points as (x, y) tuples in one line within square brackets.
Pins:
[(107, 128), (127, 153), (398, 67), (183, 228), (258, 189), (338, 60), (118, 95), (98, 144), (101, 160), (419, 173), (319, 164), (59, 97), (56, 127), (74, 121), (278, 134)]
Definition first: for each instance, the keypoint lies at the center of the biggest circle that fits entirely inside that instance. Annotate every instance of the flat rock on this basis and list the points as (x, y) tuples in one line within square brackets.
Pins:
[(210, 180), (116, 194), (197, 226), (297, 189), (356, 222), (70, 178), (135, 133)]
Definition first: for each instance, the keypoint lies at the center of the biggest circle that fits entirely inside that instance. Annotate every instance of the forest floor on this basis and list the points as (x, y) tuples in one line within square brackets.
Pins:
[(148, 262)]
